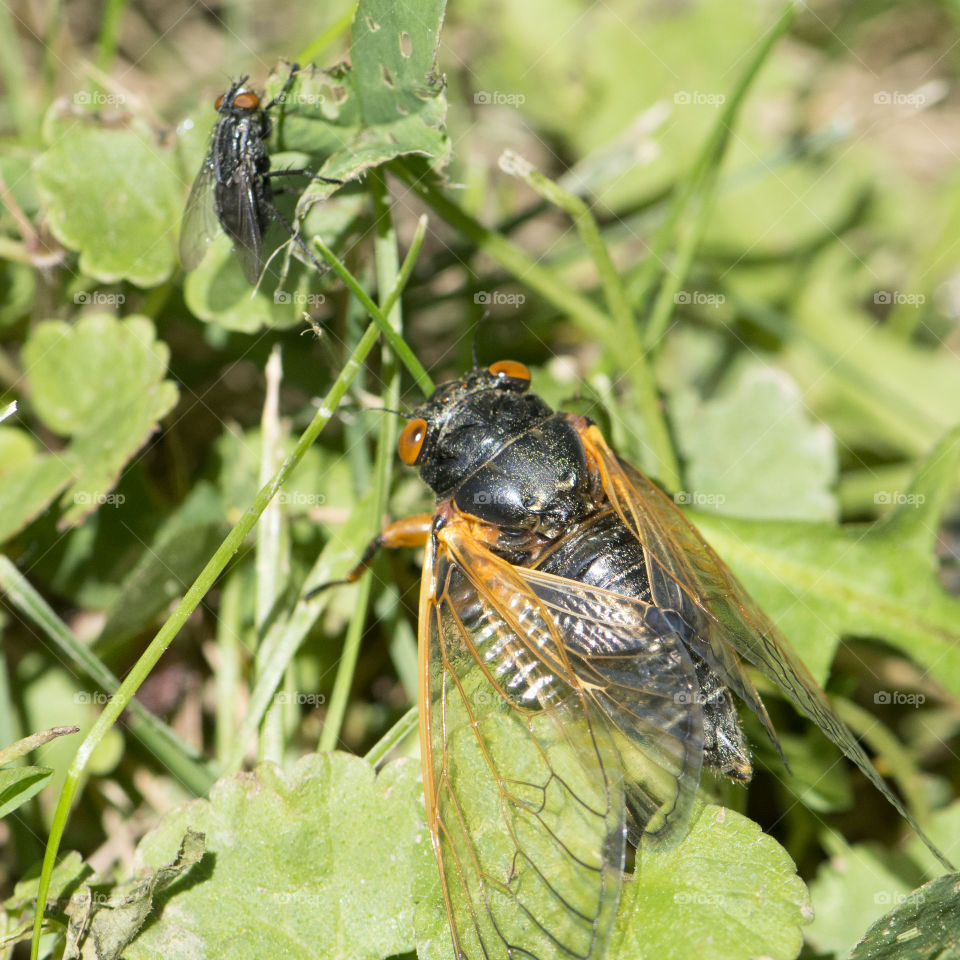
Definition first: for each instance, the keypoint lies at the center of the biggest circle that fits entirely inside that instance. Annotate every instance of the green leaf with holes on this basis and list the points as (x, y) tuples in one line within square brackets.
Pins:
[(389, 104)]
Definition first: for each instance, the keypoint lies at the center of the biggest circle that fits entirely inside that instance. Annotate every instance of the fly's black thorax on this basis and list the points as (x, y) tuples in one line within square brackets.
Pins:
[(502, 455), (241, 163)]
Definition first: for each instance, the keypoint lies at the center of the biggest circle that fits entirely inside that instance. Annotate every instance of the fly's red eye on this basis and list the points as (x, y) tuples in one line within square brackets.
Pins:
[(411, 441), (511, 369), (246, 101), (219, 102)]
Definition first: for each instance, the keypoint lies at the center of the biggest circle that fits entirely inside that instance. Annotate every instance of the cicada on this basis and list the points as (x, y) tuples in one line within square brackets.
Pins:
[(233, 187), (580, 648)]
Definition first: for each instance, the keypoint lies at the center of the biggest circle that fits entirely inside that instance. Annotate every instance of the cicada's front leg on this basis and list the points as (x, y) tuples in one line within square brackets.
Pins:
[(410, 532)]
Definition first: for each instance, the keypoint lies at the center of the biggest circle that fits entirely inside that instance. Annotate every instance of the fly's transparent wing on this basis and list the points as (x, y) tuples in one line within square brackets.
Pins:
[(199, 224), (687, 575), (523, 784), (237, 202)]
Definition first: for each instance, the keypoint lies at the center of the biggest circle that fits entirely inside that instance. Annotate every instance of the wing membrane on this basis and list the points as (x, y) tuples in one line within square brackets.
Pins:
[(237, 199), (241, 219), (524, 799), (634, 665), (686, 575), (199, 225), (539, 695)]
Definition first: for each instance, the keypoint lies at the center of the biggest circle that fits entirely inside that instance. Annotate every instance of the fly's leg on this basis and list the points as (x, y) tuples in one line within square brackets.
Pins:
[(281, 96), (280, 99), (300, 172), (295, 237), (410, 532)]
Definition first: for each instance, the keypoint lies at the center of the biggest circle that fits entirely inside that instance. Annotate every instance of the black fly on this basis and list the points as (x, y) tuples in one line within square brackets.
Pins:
[(233, 189)]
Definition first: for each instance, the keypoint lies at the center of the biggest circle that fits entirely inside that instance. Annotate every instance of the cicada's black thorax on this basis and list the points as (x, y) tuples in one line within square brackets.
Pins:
[(239, 153), (502, 455)]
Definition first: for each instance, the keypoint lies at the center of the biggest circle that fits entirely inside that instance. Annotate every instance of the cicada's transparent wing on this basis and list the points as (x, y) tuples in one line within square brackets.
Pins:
[(686, 575), (522, 781), (199, 224), (633, 663)]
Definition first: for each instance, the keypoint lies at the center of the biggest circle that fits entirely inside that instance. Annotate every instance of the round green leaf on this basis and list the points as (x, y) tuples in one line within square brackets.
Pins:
[(317, 863), (100, 382), (752, 451), (112, 194), (725, 892)]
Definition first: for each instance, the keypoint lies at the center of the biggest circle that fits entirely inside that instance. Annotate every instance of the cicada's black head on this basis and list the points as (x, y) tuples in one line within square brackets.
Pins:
[(238, 103), (466, 422)]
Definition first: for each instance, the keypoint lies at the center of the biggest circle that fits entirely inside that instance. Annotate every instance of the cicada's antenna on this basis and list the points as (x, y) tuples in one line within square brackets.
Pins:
[(399, 413), (476, 335)]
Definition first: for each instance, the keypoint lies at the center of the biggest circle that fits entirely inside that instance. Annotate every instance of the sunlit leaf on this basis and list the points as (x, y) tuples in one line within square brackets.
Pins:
[(726, 892), (752, 451), (325, 855), (820, 581), (101, 383), (111, 193)]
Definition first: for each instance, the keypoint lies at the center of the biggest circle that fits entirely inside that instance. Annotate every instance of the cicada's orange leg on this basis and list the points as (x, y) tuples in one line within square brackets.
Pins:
[(409, 532)]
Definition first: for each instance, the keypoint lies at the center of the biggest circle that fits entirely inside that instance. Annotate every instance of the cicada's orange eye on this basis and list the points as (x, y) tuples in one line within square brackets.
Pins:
[(246, 101), (411, 441), (511, 369)]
